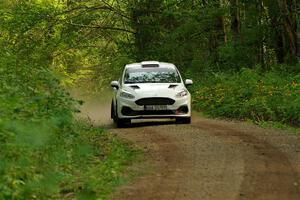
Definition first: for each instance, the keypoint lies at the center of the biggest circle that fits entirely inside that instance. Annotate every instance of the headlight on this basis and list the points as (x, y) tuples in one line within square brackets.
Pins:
[(183, 93), (126, 95)]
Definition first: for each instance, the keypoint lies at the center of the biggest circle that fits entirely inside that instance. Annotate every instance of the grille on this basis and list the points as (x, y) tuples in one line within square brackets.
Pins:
[(129, 112), (157, 112), (155, 101)]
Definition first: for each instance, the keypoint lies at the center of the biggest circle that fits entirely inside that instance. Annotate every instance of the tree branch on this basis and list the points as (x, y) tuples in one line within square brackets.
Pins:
[(101, 27)]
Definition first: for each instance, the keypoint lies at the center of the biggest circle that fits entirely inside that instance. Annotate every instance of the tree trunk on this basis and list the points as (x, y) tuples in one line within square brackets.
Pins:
[(289, 27), (235, 19), (217, 33), (145, 21)]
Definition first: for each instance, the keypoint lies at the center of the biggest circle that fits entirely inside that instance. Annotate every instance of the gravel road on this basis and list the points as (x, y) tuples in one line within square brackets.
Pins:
[(209, 159)]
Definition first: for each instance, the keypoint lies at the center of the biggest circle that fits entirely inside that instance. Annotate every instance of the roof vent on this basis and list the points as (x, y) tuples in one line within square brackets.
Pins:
[(150, 64)]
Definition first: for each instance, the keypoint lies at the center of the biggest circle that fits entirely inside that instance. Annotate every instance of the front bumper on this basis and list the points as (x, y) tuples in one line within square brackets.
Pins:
[(128, 109)]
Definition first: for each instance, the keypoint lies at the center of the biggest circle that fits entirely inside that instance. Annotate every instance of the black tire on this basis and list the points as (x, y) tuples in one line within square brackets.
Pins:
[(112, 112), (121, 123), (183, 120)]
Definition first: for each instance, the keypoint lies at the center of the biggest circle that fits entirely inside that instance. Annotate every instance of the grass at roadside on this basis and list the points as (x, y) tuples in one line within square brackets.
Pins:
[(269, 99), (39, 162), (105, 159), (280, 126)]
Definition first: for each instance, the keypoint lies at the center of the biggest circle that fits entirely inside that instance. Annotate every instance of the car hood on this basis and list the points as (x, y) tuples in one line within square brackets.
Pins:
[(145, 90)]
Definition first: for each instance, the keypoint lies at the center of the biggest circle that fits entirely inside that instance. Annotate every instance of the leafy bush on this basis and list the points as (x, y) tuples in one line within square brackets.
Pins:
[(43, 153), (273, 96), (39, 161)]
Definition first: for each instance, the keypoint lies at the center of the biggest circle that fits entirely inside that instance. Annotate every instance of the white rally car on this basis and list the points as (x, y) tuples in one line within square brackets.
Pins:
[(150, 89)]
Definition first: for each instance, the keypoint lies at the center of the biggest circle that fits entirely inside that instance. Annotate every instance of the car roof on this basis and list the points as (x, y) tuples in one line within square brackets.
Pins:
[(149, 63)]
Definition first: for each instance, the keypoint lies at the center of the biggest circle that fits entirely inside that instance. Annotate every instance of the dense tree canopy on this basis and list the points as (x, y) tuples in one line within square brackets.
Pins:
[(242, 54), (45, 43), (95, 38)]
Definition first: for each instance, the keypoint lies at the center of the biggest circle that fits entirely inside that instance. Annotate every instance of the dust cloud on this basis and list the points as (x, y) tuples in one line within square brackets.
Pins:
[(96, 107), (96, 110)]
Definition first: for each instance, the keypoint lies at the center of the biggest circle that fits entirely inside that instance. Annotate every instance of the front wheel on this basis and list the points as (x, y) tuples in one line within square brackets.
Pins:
[(121, 123), (112, 110), (183, 120)]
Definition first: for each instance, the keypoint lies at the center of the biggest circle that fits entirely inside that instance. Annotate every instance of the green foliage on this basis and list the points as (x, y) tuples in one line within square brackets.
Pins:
[(39, 161), (46, 45), (271, 96), (29, 88), (43, 154), (279, 125)]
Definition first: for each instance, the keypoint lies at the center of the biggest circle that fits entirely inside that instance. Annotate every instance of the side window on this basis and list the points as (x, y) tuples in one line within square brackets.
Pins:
[(181, 76), (121, 78)]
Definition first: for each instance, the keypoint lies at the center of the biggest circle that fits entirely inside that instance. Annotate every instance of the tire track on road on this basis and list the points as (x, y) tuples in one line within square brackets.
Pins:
[(161, 182), (269, 174)]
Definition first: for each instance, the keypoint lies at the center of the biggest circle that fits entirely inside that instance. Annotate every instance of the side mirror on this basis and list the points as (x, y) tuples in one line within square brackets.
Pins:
[(188, 82), (115, 84)]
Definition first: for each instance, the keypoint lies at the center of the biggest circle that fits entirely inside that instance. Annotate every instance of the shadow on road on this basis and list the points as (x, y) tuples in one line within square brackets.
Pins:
[(136, 124)]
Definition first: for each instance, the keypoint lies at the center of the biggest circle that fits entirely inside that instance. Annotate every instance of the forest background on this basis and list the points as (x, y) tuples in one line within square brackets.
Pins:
[(242, 54)]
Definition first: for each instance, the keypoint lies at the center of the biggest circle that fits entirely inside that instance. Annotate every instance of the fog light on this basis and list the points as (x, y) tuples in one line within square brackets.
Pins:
[(182, 110), (126, 111)]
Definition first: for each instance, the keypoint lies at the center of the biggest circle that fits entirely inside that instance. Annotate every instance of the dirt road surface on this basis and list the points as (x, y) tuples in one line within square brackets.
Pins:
[(208, 160)]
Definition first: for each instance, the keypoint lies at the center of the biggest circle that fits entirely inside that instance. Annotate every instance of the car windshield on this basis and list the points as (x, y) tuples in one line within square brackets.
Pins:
[(151, 75)]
